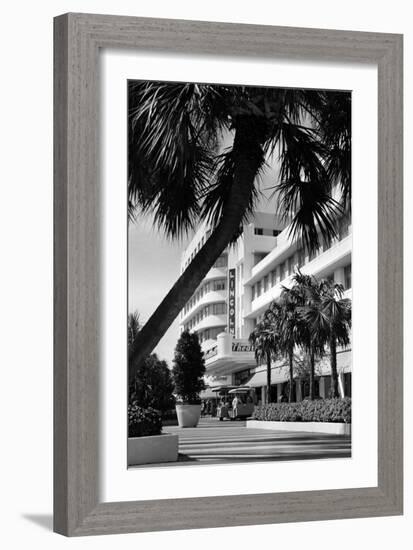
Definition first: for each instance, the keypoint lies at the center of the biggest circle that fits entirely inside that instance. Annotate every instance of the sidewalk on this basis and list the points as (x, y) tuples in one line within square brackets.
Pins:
[(220, 442)]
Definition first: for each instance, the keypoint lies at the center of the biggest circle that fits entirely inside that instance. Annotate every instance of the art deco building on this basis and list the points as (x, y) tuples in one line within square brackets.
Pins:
[(242, 284)]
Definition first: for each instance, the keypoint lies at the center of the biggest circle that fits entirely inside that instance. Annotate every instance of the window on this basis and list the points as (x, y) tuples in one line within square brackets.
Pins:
[(347, 277), (259, 256), (253, 292), (258, 230), (265, 285), (241, 377), (347, 384), (275, 232), (219, 309), (291, 264), (273, 277), (219, 285), (258, 289), (282, 271)]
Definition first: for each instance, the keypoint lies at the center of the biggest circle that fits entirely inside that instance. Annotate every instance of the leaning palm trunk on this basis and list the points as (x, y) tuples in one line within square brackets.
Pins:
[(247, 160), (268, 377), (291, 374), (333, 364), (312, 375)]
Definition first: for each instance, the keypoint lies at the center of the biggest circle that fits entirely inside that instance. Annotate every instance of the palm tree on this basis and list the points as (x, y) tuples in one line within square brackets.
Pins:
[(305, 294), (329, 319), (265, 340), (134, 327), (337, 311), (177, 172), (290, 330)]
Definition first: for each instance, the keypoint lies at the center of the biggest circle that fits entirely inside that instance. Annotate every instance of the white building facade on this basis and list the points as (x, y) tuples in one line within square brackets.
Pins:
[(239, 288)]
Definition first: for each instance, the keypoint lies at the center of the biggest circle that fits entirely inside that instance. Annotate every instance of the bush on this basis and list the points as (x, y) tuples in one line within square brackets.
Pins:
[(152, 386), (143, 422), (169, 418), (320, 410)]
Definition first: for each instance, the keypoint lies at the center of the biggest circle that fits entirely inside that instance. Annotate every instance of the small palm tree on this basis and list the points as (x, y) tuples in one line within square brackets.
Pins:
[(134, 327), (178, 173), (337, 312), (329, 319), (285, 317), (265, 340), (305, 293)]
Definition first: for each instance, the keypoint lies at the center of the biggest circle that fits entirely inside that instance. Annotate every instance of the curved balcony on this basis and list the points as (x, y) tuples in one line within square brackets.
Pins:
[(211, 297), (211, 321), (216, 273)]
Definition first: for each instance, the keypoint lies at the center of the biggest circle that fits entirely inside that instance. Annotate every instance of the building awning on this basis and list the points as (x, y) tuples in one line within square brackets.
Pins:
[(208, 393), (278, 375)]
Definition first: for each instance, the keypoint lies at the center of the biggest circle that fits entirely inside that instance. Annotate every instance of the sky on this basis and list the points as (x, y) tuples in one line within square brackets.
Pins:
[(154, 266)]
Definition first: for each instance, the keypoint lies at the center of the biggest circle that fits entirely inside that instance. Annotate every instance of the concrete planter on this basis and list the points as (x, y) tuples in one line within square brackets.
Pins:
[(188, 415), (334, 428), (152, 449)]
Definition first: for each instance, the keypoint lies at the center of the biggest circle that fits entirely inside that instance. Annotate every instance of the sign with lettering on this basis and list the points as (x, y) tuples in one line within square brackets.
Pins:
[(231, 301), (241, 346)]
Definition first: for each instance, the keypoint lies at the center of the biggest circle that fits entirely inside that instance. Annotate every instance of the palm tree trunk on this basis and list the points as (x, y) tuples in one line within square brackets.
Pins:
[(333, 364), (312, 375), (291, 368), (247, 161), (268, 377)]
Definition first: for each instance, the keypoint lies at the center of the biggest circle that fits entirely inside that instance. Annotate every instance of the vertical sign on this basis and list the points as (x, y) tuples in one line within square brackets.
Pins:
[(231, 301)]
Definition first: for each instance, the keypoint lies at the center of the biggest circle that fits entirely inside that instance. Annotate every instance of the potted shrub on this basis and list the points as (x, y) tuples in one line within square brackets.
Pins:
[(188, 371), (146, 443)]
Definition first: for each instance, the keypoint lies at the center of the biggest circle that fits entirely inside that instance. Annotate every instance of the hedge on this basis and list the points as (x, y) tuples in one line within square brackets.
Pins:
[(143, 422), (320, 410)]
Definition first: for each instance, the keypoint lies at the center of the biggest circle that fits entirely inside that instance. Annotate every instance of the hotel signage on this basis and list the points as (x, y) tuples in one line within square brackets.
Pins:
[(242, 346), (231, 301)]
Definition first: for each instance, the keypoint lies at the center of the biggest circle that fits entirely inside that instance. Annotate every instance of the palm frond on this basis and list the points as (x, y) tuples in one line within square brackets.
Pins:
[(335, 131), (172, 144)]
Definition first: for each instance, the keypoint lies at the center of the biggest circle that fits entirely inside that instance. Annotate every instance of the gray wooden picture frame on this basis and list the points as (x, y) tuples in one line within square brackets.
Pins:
[(77, 506)]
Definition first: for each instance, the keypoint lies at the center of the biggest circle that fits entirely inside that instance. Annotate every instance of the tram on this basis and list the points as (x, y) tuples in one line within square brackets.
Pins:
[(230, 408)]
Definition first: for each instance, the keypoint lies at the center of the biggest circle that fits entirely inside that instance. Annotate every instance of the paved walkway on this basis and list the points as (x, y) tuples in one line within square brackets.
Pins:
[(217, 442)]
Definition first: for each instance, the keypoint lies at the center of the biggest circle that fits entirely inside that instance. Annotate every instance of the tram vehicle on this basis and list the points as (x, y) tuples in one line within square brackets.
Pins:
[(243, 409), (245, 405)]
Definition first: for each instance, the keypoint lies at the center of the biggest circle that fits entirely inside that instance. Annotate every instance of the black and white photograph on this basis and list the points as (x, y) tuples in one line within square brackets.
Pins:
[(205, 233), (239, 273)]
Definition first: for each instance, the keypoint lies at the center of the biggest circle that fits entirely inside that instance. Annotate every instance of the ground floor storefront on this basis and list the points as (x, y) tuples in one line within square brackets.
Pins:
[(232, 362), (301, 389)]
